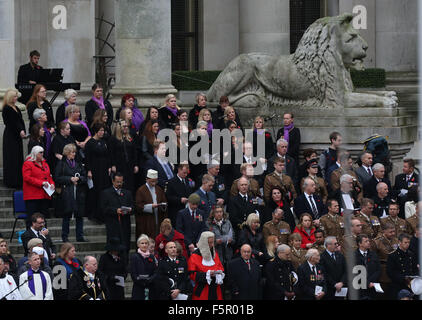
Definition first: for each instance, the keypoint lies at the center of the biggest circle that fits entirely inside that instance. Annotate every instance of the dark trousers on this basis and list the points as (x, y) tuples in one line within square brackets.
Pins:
[(34, 206), (79, 227)]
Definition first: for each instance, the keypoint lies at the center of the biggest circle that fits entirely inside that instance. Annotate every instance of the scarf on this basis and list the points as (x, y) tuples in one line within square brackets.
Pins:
[(31, 283), (286, 131), (209, 129), (137, 118), (280, 204), (144, 254), (173, 111), (259, 131), (99, 102), (71, 163)]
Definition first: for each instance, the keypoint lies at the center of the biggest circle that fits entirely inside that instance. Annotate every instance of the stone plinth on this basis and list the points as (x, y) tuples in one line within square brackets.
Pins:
[(143, 51)]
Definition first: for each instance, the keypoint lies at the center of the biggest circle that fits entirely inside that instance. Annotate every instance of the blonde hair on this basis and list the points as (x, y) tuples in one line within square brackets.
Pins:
[(202, 112), (270, 244), (9, 94), (2, 240), (68, 149), (251, 218), (165, 225), (64, 249), (227, 110), (256, 118), (71, 109), (117, 130), (167, 99)]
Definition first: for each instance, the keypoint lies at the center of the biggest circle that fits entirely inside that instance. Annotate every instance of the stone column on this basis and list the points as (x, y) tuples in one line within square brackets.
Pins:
[(221, 33), (360, 7), (73, 48), (397, 35), (264, 26), (143, 51), (7, 45), (332, 7)]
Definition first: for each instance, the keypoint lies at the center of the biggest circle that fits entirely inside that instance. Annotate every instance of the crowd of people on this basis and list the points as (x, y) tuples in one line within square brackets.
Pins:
[(204, 231)]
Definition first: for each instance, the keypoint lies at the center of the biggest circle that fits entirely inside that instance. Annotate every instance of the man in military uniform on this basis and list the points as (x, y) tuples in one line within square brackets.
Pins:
[(247, 171), (401, 264), (400, 224), (175, 268), (319, 241), (413, 221), (87, 283), (297, 255), (349, 242), (277, 227), (370, 224), (278, 178), (332, 223), (386, 244), (281, 278)]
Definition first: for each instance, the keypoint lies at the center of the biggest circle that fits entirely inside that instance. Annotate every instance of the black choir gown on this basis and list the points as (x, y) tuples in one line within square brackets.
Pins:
[(124, 155), (12, 147), (98, 161), (79, 133)]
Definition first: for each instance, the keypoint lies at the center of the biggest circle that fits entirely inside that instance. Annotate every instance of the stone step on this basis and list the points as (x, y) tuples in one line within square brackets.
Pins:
[(7, 222), (55, 232), (96, 243)]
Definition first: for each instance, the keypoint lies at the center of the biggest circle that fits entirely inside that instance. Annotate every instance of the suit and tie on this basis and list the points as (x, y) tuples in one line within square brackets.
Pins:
[(364, 174), (177, 189), (304, 204), (191, 225), (373, 271), (370, 188), (244, 279), (334, 265)]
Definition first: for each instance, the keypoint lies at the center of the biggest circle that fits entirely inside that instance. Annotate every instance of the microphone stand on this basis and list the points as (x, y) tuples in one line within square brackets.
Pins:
[(17, 287)]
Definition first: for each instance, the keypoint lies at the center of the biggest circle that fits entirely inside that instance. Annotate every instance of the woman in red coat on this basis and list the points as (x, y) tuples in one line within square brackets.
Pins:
[(306, 230), (168, 234), (206, 270), (36, 175)]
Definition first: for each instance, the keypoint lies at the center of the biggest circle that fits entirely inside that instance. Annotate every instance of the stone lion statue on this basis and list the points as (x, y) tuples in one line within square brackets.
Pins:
[(316, 75)]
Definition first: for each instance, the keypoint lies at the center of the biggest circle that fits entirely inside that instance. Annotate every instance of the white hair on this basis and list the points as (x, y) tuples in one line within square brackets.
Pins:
[(310, 253), (328, 240), (345, 177), (35, 150), (38, 113), (142, 237), (68, 93), (377, 166), (201, 124), (204, 247), (282, 248), (280, 141)]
